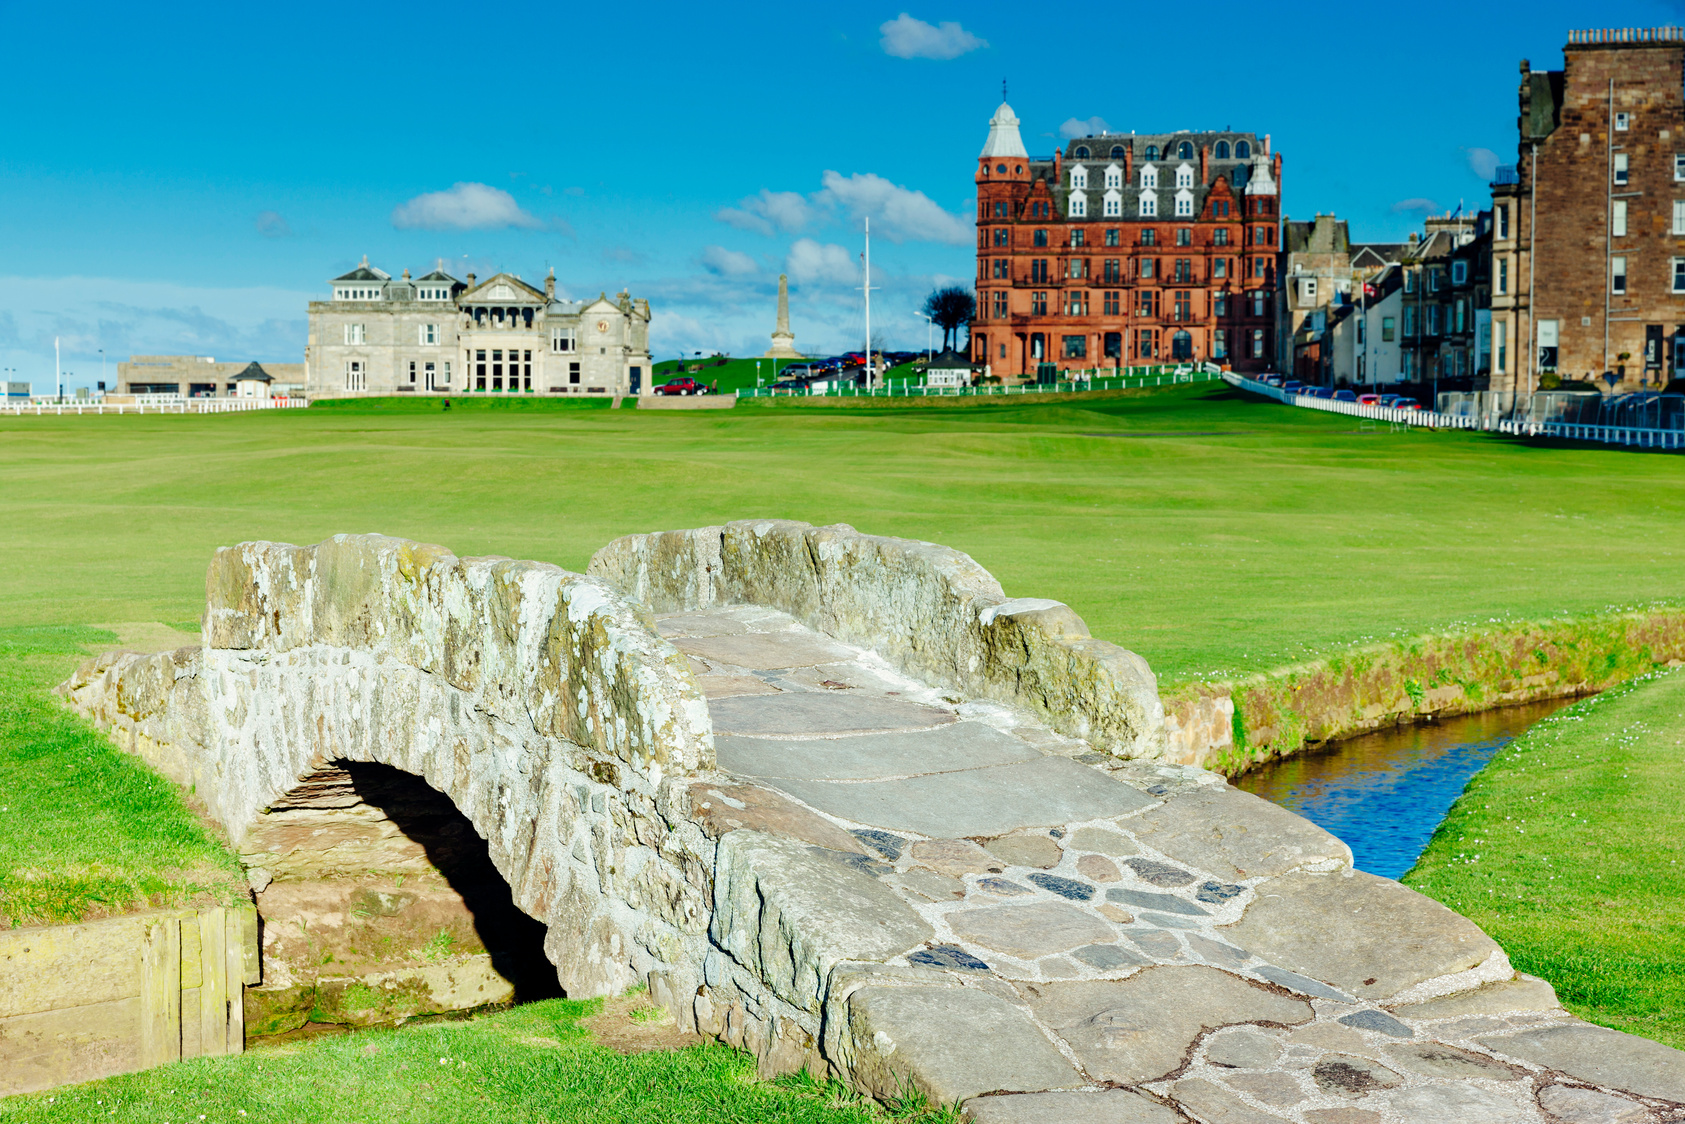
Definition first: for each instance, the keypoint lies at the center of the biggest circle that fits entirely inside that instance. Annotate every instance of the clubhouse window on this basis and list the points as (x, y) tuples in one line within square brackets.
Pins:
[(355, 375), (1076, 347)]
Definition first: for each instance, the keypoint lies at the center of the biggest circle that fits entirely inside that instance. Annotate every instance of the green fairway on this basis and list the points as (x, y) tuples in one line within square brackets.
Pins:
[(533, 1064), (85, 829), (739, 374), (1567, 848), (1211, 532)]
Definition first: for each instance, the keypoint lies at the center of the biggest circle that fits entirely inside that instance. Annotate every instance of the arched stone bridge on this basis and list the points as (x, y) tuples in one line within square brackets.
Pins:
[(841, 802)]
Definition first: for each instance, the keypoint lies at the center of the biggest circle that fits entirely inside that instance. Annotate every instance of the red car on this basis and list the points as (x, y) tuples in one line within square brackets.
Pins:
[(686, 385)]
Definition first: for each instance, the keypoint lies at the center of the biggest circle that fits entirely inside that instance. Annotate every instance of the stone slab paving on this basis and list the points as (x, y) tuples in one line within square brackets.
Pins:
[(983, 908)]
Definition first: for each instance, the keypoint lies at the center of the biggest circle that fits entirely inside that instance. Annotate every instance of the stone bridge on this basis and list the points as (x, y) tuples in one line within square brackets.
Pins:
[(839, 801)]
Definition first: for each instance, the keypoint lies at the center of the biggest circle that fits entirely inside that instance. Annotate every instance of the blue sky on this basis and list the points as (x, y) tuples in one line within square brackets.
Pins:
[(184, 178)]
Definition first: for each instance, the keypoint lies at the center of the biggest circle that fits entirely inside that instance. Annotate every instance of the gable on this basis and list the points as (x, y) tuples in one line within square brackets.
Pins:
[(504, 287)]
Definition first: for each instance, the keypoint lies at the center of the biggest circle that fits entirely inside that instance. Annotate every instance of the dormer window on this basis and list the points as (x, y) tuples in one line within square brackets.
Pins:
[(1113, 205), (1114, 176), (1185, 151), (1079, 177), (1149, 205), (1152, 152), (1242, 150), (1149, 177), (1081, 152), (1185, 175), (1117, 152), (1077, 207), (1184, 203), (1222, 150)]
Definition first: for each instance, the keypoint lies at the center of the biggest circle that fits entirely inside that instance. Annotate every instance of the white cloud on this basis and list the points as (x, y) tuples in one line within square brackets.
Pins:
[(902, 214), (1092, 127), (1415, 206), (271, 224), (728, 263), (813, 263), (769, 211), (1483, 162), (907, 38), (466, 206)]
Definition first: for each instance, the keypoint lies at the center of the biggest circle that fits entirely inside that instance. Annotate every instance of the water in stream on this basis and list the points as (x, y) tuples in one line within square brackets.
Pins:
[(1385, 793)]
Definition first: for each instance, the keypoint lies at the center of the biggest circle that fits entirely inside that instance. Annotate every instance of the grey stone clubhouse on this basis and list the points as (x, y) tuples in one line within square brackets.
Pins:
[(437, 335)]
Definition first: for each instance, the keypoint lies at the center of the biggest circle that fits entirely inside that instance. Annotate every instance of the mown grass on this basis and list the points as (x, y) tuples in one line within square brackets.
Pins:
[(534, 1063), (1214, 533), (85, 829), (1569, 849)]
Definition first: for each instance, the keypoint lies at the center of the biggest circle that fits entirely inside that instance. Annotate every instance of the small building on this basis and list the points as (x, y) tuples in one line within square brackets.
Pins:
[(948, 369), (253, 382), (16, 390), (201, 376)]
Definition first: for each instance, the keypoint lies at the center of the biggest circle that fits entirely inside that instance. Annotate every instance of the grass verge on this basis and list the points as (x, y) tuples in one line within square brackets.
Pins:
[(534, 1063), (1567, 848), (85, 830)]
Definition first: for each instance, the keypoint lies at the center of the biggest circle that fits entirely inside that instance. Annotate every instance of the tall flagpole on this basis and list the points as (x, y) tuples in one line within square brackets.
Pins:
[(866, 283), (58, 377)]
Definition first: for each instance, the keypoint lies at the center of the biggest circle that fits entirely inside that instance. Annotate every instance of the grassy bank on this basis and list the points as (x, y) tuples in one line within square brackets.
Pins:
[(1413, 678), (532, 1064), (1568, 849), (86, 830), (1217, 535)]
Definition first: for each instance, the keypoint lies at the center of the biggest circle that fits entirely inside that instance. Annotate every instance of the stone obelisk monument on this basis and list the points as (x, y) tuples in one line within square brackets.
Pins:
[(783, 340)]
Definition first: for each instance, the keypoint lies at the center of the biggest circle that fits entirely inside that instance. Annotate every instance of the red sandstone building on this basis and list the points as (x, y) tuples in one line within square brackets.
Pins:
[(1125, 249), (1601, 164)]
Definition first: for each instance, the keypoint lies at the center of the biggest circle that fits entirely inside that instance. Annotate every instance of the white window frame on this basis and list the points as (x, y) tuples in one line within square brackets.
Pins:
[(1679, 167), (1113, 205), (1679, 216), (1677, 268), (1617, 274), (1184, 204), (1184, 175), (1620, 169), (1617, 219), (1076, 206), (563, 341), (1079, 177), (1149, 205), (1623, 122), (1502, 286), (429, 335), (356, 377), (1114, 176), (354, 335), (1149, 177), (1307, 288), (1503, 221)]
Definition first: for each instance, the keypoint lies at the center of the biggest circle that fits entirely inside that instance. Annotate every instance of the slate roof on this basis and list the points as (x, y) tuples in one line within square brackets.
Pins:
[(1101, 146), (364, 273), (1373, 255), (253, 371), (1327, 235), (438, 275), (950, 360), (1130, 192)]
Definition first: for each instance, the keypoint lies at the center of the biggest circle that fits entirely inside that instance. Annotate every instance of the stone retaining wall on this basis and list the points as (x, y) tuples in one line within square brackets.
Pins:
[(931, 611), (1231, 726)]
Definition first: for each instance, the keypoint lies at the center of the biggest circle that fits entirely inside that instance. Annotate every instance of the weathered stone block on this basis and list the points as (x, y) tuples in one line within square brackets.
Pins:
[(1600, 1056), (1366, 935)]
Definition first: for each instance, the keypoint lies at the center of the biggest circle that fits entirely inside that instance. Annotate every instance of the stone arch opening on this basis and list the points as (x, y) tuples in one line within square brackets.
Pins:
[(379, 902)]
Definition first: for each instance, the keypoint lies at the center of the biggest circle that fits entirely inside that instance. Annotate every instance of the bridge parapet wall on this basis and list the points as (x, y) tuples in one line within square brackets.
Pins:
[(929, 610), (540, 701)]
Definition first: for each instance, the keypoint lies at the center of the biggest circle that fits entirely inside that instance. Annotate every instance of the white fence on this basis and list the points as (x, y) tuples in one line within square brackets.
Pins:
[(148, 404), (1126, 378), (1607, 434)]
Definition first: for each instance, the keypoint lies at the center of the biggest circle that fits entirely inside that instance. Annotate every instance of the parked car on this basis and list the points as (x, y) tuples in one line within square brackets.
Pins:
[(1368, 399), (789, 386), (1273, 380), (685, 385), (1293, 386), (799, 371), (1318, 392), (1403, 403), (1345, 396)]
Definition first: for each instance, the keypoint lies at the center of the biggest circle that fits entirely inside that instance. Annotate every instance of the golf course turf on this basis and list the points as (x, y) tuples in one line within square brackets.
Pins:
[(1214, 534)]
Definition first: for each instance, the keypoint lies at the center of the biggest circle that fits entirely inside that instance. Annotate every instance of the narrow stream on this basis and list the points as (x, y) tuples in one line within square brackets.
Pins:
[(1385, 793)]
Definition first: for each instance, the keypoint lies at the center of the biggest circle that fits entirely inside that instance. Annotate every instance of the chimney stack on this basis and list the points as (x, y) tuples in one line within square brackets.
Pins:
[(470, 280), (550, 285)]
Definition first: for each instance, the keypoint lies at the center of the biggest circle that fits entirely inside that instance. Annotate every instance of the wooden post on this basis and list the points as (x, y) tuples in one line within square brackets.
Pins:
[(160, 994), (213, 982)]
